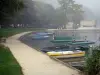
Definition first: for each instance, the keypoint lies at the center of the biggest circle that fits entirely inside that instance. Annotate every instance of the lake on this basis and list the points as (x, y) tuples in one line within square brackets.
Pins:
[(90, 35)]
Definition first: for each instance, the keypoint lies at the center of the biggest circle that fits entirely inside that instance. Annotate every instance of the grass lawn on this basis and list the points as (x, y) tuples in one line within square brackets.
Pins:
[(11, 31), (8, 64)]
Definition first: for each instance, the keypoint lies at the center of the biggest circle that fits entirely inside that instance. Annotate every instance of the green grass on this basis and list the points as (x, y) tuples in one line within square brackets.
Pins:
[(8, 64), (11, 31)]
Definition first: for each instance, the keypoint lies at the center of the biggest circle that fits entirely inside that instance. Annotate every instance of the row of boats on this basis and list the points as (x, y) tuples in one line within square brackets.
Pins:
[(63, 46)]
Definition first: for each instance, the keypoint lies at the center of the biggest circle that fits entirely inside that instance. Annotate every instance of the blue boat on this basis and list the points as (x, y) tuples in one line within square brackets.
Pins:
[(39, 37), (44, 33)]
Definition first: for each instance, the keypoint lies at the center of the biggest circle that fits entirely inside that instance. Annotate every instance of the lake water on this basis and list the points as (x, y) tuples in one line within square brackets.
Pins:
[(90, 35)]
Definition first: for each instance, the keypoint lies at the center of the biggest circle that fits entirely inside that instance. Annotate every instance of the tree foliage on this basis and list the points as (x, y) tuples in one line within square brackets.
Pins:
[(49, 17), (73, 11), (28, 15), (45, 15), (92, 66), (8, 8), (59, 17)]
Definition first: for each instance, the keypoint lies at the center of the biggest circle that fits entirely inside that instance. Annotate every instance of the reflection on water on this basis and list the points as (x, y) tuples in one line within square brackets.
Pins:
[(90, 35)]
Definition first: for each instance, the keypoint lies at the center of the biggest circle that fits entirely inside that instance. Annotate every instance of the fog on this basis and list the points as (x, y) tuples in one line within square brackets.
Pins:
[(52, 2), (91, 4)]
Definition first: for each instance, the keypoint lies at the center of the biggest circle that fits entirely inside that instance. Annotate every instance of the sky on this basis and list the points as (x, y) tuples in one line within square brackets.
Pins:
[(91, 4), (52, 2)]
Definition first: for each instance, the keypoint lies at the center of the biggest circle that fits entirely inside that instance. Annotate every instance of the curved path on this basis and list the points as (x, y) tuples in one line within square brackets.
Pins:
[(34, 62)]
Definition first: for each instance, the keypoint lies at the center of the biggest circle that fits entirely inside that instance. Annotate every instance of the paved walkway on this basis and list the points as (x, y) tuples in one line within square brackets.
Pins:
[(34, 62)]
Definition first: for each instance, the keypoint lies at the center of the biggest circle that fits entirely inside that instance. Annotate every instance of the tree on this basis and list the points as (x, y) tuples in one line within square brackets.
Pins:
[(50, 17), (73, 11), (59, 17), (27, 16), (8, 8), (45, 15)]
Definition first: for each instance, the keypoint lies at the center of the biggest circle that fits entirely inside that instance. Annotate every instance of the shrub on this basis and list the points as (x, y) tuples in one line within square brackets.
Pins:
[(92, 65)]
